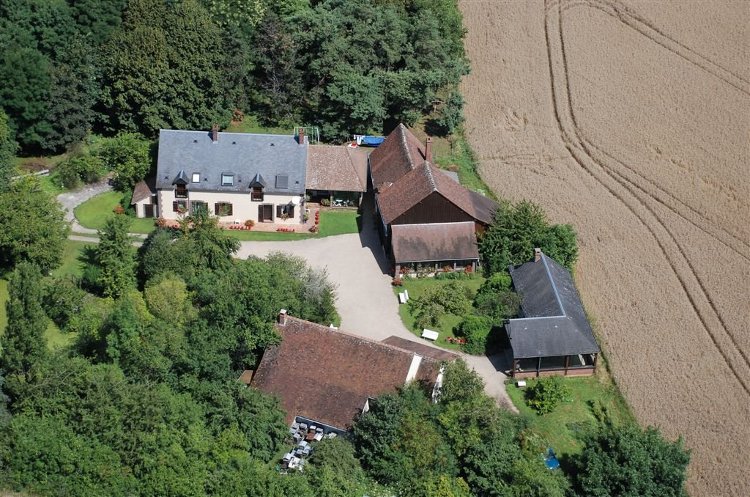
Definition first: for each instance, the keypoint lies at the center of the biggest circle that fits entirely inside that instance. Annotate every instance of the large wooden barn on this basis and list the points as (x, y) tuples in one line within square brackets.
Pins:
[(410, 190)]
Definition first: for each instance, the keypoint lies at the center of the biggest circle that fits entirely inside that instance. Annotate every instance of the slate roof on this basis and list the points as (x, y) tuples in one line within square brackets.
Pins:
[(327, 375), (421, 181), (143, 190), (554, 322), (337, 168), (245, 155), (397, 155), (434, 242)]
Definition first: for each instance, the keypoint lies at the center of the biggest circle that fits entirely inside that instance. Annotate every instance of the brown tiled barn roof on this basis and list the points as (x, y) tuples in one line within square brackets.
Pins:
[(421, 181), (440, 355), (337, 168), (434, 242), (327, 375), (396, 156)]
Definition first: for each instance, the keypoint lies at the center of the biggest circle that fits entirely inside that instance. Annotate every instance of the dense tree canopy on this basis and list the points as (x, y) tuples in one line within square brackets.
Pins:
[(7, 151), (71, 66)]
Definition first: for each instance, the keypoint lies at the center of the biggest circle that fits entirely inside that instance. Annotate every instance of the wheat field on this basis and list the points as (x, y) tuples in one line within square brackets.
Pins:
[(631, 121)]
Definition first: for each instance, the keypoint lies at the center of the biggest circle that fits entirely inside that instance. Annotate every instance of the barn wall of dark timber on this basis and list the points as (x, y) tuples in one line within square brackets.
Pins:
[(433, 209)]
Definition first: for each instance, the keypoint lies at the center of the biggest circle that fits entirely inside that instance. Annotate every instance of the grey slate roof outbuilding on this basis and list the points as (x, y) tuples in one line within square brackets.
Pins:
[(244, 156), (554, 322)]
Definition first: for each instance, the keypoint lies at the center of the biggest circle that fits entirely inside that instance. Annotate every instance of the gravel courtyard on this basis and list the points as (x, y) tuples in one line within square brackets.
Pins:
[(365, 300)]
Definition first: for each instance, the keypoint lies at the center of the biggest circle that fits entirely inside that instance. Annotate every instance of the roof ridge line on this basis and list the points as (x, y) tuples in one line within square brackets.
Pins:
[(405, 146), (430, 177), (554, 286)]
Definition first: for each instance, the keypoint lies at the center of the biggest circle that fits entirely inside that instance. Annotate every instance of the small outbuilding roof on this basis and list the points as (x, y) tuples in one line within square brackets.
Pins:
[(337, 168), (434, 242), (554, 322), (327, 375), (143, 190), (231, 162)]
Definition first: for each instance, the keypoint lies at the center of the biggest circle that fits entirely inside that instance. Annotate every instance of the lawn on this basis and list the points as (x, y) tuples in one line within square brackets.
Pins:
[(562, 427), (416, 287), (94, 212), (250, 125), (71, 261)]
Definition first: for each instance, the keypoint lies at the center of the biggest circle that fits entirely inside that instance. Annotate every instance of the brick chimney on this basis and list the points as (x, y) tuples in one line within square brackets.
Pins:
[(428, 149), (282, 317), (301, 136), (215, 132), (537, 254)]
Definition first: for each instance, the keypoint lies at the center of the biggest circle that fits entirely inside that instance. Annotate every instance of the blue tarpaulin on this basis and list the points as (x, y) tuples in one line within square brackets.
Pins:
[(371, 141), (550, 459)]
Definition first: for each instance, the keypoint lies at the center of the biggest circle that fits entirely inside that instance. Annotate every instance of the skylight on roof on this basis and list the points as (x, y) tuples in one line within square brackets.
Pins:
[(282, 181), (227, 179), (196, 177)]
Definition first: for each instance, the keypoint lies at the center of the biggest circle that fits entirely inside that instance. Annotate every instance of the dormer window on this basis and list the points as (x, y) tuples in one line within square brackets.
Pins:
[(256, 194), (196, 177), (227, 179), (180, 191)]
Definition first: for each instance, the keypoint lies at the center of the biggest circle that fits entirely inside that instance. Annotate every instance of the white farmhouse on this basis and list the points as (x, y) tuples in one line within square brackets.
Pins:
[(234, 176)]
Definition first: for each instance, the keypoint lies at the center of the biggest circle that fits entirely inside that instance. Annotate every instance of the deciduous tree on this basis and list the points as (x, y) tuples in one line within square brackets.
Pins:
[(517, 230), (626, 461), (32, 226)]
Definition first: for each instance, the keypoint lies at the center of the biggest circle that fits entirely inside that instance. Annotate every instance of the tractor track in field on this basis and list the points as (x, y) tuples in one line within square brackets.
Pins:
[(628, 194), (635, 21)]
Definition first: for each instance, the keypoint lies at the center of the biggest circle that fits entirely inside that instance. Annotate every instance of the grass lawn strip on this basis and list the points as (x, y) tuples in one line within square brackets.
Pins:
[(416, 287), (563, 427)]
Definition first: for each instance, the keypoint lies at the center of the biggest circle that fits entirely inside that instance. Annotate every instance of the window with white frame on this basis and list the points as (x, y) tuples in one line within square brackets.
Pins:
[(196, 178), (227, 179)]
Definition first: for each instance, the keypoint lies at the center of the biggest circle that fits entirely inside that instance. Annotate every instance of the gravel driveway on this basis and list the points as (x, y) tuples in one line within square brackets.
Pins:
[(70, 200), (365, 300)]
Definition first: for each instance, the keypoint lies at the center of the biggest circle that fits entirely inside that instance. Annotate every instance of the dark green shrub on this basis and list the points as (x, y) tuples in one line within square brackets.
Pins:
[(545, 394), (475, 329), (80, 169), (63, 298), (496, 300)]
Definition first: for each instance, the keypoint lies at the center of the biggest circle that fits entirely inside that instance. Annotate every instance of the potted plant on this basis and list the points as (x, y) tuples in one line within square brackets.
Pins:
[(249, 224)]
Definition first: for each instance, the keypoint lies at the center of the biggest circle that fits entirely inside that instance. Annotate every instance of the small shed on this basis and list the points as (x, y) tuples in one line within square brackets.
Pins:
[(553, 336), (144, 199), (337, 173)]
